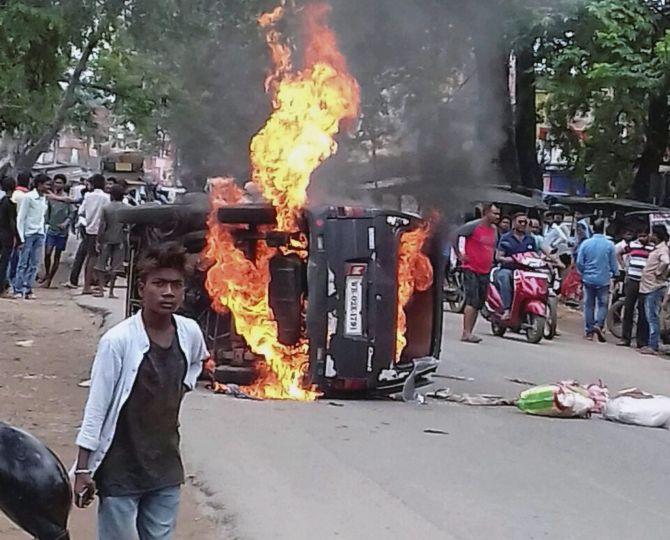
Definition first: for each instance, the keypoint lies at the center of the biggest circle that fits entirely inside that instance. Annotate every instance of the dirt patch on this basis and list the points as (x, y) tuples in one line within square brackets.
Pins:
[(47, 349)]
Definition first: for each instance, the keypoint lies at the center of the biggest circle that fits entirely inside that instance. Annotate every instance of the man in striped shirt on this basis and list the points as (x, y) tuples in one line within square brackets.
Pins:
[(633, 258)]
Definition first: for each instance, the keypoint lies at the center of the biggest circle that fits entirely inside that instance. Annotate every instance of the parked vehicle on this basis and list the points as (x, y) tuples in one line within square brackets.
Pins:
[(530, 299), (615, 313), (454, 291)]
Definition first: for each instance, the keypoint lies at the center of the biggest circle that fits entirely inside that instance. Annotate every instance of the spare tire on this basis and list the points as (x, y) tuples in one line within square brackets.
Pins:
[(35, 491)]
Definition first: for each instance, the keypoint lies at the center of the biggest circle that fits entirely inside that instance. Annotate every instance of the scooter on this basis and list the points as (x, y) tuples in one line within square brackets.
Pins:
[(529, 302)]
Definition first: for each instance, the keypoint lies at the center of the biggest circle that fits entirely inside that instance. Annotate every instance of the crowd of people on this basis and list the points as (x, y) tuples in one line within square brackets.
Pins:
[(37, 216), (642, 258)]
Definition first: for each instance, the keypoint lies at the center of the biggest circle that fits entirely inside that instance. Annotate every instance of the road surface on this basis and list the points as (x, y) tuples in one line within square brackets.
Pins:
[(367, 469)]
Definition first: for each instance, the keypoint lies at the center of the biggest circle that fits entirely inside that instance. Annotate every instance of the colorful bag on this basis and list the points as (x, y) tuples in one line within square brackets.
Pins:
[(566, 399)]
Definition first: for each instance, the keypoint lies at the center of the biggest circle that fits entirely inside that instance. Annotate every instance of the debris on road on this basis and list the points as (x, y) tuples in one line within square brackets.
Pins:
[(25, 343), (483, 400), (633, 406), (453, 377), (232, 390), (520, 381), (335, 404), (566, 399), (436, 431)]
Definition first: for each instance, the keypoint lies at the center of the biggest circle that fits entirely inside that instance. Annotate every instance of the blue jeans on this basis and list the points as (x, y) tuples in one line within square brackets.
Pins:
[(652, 309), (150, 516), (596, 300), (29, 261), (505, 284)]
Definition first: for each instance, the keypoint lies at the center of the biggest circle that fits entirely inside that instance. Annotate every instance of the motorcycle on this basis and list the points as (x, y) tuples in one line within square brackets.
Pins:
[(529, 301), (615, 312), (454, 291)]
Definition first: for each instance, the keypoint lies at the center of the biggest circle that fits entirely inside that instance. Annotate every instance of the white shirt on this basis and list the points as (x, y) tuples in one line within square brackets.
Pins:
[(92, 207), (30, 217), (120, 353)]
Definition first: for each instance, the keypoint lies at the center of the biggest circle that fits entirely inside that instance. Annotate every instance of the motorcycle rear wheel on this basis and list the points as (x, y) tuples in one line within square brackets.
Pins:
[(615, 318), (535, 330), (454, 294)]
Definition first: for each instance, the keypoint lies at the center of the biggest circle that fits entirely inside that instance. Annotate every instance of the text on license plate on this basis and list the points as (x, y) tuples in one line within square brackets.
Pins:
[(353, 306)]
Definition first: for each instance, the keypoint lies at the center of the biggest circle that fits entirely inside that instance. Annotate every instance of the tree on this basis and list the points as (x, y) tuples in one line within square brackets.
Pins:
[(609, 64), (53, 55)]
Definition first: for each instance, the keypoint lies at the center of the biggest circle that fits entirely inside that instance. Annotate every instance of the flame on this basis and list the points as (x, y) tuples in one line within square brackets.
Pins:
[(237, 284), (308, 108), (415, 273)]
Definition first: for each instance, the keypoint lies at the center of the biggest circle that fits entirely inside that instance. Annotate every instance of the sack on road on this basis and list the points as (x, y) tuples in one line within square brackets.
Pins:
[(564, 400), (638, 408)]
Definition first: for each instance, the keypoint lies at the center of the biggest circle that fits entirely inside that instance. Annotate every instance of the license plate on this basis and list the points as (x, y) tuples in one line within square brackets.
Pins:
[(353, 301)]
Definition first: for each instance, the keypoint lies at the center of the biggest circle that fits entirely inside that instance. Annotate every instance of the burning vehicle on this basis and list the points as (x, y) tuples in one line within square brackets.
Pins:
[(298, 300)]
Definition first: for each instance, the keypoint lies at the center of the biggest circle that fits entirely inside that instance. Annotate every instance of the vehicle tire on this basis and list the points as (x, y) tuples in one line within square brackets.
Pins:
[(552, 318), (240, 375), (536, 328), (250, 214), (498, 330), (453, 283), (615, 318)]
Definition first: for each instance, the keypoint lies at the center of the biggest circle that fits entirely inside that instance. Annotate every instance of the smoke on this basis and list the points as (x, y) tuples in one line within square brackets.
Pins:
[(436, 108), (435, 102)]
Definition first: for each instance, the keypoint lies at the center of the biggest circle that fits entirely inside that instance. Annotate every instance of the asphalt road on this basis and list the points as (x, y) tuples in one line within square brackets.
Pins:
[(362, 470)]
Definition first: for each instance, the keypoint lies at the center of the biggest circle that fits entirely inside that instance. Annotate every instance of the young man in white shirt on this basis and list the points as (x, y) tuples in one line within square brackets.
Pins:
[(30, 228), (91, 208), (129, 438)]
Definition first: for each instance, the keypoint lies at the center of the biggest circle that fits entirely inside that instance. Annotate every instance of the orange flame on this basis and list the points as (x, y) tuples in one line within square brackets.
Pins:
[(415, 273), (237, 284), (308, 106)]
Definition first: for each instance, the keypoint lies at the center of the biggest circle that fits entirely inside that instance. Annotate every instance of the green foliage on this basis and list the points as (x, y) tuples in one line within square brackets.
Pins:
[(601, 66)]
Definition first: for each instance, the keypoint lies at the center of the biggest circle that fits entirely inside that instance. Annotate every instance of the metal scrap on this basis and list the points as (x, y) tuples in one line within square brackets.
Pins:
[(483, 400)]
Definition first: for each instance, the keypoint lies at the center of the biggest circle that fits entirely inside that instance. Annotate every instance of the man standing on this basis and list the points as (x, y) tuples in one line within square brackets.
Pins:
[(59, 214), (91, 208), (129, 439), (597, 264), (30, 228), (633, 257), (514, 242), (476, 248), (7, 230), (22, 187), (111, 242), (653, 285)]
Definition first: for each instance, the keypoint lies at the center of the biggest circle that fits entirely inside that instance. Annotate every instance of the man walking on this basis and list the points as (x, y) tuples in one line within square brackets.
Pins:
[(111, 242), (91, 208), (22, 188), (476, 249), (633, 258), (59, 214), (653, 285), (30, 228), (597, 264), (129, 439)]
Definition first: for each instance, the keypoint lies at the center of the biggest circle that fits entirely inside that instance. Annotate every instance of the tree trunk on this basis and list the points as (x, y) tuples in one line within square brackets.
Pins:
[(655, 145), (29, 156), (526, 119)]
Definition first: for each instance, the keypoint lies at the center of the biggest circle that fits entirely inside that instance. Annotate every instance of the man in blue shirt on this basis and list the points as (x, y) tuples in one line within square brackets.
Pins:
[(514, 242), (596, 262)]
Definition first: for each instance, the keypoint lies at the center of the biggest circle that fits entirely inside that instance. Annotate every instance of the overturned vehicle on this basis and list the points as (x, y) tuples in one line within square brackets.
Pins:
[(336, 303)]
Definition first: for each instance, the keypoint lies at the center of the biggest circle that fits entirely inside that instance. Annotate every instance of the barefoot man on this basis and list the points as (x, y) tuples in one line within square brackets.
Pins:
[(476, 249)]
